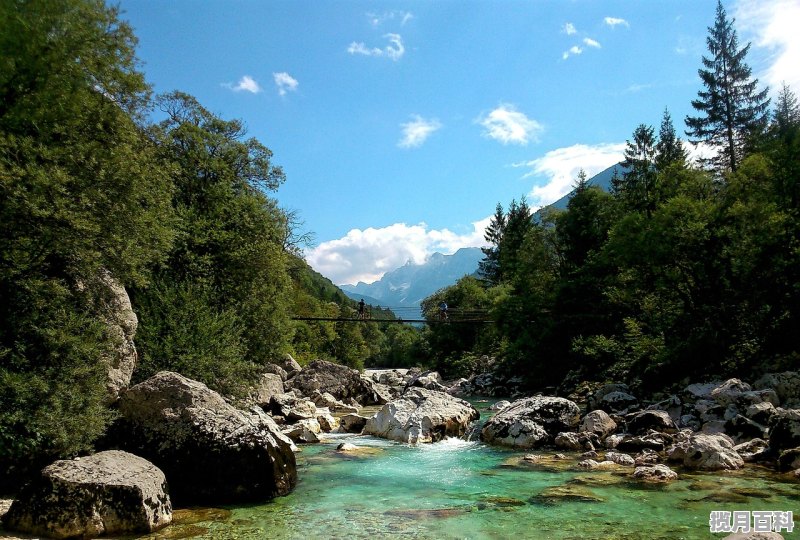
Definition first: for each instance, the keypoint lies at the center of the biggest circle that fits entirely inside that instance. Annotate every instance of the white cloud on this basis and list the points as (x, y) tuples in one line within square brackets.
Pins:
[(377, 19), (573, 51), (613, 22), (246, 83), (365, 255), (509, 126), (569, 29), (417, 131), (394, 50), (591, 43), (773, 26), (560, 168), (285, 82)]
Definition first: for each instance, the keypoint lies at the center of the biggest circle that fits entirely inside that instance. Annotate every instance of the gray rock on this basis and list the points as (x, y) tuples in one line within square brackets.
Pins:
[(340, 381), (754, 536), (421, 416), (785, 429), (276, 370), (713, 427), (531, 422), (612, 398), (292, 408), (326, 420), (210, 452), (657, 420), (575, 441), (729, 392), (700, 391), (352, 423), (290, 366), (598, 422), (637, 443), (655, 473), (706, 452), (753, 450), (327, 400), (430, 380), (743, 429), (109, 493), (789, 460), (500, 405), (672, 405), (114, 306), (786, 386), (270, 384), (303, 431), (621, 459), (760, 412)]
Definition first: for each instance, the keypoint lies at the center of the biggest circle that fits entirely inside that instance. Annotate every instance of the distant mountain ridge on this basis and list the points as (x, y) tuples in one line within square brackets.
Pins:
[(406, 287)]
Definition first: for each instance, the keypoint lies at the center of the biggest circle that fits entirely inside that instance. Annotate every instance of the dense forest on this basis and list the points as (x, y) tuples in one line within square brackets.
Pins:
[(682, 270), (100, 178)]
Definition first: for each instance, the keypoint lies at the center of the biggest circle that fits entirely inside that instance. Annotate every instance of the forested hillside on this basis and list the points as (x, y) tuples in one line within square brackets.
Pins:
[(682, 270), (102, 183)]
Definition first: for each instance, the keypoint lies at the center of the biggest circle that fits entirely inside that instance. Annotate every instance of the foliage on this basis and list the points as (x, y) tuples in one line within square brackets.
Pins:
[(81, 191), (732, 111)]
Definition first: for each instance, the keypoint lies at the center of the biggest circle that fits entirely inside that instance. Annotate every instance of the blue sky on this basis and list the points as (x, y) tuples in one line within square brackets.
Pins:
[(400, 125)]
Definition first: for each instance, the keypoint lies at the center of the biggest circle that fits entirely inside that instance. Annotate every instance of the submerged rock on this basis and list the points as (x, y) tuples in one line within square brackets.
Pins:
[(108, 493), (210, 452), (421, 416), (566, 493), (655, 473), (531, 422)]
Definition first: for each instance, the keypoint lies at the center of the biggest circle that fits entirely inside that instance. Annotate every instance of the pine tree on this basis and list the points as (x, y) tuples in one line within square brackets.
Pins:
[(787, 111), (731, 109), (669, 149), (638, 181), (489, 267)]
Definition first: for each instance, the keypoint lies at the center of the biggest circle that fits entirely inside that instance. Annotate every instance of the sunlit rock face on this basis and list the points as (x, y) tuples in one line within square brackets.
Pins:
[(422, 416), (108, 493), (531, 422), (211, 452)]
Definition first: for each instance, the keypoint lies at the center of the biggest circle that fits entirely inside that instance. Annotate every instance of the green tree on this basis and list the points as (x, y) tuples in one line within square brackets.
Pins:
[(637, 188), (82, 191), (489, 267), (669, 149), (731, 109), (230, 241)]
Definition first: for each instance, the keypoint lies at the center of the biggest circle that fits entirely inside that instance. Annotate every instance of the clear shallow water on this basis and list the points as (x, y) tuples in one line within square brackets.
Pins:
[(459, 489)]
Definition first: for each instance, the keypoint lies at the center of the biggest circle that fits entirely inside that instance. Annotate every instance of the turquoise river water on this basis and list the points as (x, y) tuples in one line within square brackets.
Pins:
[(465, 489)]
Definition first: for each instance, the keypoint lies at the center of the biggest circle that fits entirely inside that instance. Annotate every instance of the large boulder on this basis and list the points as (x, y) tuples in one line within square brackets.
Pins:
[(428, 379), (612, 398), (340, 381), (786, 386), (270, 384), (657, 420), (211, 452), (109, 493), (290, 366), (531, 422), (785, 429), (706, 452), (291, 408), (599, 423), (422, 415)]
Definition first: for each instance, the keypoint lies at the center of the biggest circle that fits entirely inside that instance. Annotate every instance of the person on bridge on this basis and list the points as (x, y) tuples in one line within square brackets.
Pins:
[(361, 309), (443, 311)]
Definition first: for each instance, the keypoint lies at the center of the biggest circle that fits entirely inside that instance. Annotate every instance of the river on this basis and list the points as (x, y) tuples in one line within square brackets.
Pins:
[(465, 489)]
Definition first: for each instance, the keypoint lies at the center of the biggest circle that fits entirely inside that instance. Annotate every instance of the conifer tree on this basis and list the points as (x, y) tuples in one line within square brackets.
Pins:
[(669, 149), (731, 109), (489, 267), (638, 181)]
